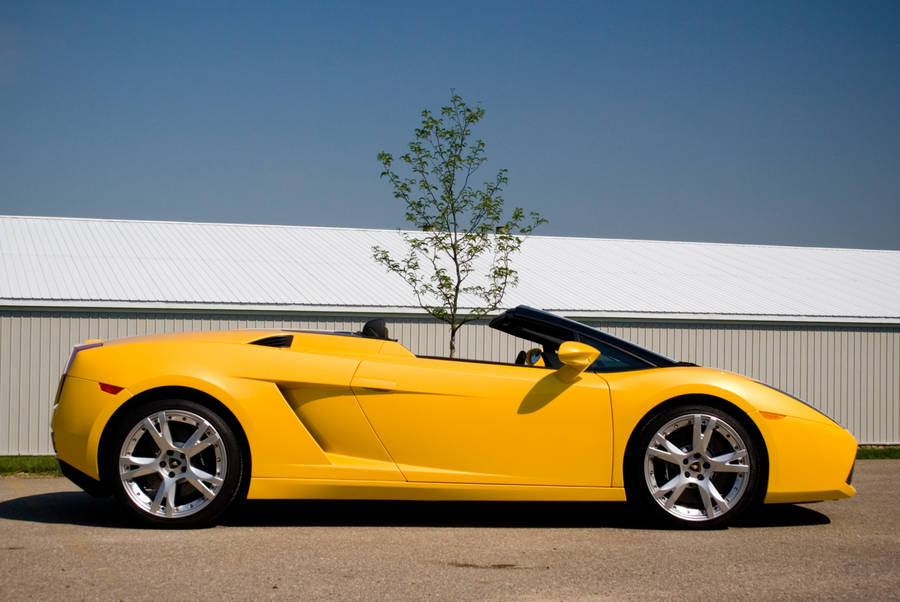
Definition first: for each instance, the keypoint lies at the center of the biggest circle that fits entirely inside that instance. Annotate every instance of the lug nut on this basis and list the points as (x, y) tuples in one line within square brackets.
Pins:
[(687, 474), (699, 477), (706, 465), (171, 474)]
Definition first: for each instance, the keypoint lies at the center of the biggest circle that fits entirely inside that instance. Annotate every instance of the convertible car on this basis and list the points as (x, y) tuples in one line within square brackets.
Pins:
[(181, 426)]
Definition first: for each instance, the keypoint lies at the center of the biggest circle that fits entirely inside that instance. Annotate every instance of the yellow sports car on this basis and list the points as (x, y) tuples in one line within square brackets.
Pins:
[(179, 427)]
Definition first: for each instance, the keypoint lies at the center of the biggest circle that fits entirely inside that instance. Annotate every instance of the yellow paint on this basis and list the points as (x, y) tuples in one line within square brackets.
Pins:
[(793, 446), (83, 409), (339, 416), (471, 422), (374, 490)]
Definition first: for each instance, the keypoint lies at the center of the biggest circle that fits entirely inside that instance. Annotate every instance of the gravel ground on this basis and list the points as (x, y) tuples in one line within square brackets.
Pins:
[(56, 542)]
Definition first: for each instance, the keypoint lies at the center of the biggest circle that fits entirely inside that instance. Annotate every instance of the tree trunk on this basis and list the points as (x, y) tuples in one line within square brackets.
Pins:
[(453, 342)]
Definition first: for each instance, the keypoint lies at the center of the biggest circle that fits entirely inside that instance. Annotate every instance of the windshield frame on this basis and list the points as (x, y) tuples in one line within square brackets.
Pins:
[(523, 322)]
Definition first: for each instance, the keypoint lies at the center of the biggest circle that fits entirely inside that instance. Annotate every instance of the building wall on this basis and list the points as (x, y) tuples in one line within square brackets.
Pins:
[(851, 373)]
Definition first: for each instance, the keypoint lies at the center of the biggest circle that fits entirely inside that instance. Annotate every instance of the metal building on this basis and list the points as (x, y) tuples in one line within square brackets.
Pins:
[(821, 324)]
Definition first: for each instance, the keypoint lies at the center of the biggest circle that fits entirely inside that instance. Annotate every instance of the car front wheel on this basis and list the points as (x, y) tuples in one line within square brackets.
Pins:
[(174, 463), (695, 467)]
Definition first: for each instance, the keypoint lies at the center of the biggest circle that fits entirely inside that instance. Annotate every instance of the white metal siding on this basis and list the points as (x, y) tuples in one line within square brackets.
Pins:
[(851, 373)]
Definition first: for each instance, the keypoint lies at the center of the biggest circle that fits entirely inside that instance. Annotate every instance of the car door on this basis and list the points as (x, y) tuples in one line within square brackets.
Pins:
[(471, 422)]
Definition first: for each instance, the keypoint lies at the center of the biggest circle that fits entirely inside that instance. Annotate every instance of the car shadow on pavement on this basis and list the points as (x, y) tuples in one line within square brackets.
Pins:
[(65, 507), (782, 515), (81, 509), (521, 515)]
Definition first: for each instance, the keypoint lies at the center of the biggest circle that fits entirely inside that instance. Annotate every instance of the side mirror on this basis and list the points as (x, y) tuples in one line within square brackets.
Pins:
[(576, 358)]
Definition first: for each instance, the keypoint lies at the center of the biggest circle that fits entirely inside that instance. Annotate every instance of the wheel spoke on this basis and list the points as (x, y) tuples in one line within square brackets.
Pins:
[(723, 463), (675, 495), (195, 436), (157, 436), (195, 445), (732, 468), (720, 500), (676, 486), (205, 476), (170, 499), (145, 466), (701, 437), (164, 487), (164, 429), (667, 455), (200, 486), (665, 450), (707, 499)]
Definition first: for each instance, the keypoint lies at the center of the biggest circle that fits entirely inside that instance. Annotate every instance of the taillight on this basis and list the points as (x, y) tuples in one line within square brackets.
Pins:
[(89, 344), (111, 389)]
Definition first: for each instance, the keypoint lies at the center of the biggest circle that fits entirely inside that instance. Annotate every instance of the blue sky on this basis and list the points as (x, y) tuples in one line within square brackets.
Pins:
[(754, 122)]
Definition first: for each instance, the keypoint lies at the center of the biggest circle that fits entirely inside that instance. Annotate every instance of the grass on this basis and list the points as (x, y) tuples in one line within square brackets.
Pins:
[(37, 465), (878, 452), (46, 465)]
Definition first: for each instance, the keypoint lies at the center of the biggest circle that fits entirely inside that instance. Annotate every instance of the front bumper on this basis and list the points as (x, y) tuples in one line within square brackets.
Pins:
[(809, 461)]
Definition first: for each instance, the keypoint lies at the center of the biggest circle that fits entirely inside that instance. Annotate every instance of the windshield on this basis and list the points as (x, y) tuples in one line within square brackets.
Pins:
[(550, 330)]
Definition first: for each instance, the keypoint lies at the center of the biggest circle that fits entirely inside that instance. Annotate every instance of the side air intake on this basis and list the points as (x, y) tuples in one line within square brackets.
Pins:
[(279, 340)]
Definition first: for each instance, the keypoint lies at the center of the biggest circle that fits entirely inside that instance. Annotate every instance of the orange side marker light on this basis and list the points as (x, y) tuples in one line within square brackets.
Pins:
[(771, 415)]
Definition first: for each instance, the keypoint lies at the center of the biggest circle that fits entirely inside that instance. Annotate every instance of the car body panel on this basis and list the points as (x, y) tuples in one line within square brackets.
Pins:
[(795, 434), (81, 413), (382, 490), (468, 422), (335, 416)]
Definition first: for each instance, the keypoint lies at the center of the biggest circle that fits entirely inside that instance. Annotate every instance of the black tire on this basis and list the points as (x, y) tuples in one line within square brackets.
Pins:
[(682, 475), (174, 463)]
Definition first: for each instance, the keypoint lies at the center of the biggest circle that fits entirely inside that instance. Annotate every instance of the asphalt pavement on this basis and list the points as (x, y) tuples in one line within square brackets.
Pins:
[(56, 542)]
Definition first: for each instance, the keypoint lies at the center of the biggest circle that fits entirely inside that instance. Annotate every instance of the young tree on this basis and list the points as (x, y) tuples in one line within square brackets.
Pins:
[(460, 227)]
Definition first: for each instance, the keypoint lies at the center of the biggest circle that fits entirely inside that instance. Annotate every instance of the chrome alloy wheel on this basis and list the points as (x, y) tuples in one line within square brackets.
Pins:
[(173, 463), (697, 467)]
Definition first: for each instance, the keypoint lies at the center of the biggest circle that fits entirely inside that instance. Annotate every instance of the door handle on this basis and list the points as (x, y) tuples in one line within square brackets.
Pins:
[(374, 383)]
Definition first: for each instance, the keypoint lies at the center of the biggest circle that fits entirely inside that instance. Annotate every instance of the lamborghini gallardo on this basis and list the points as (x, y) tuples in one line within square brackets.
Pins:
[(180, 427)]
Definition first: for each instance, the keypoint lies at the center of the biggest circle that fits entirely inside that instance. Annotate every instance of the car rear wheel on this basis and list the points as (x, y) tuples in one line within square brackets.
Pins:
[(174, 463), (695, 467)]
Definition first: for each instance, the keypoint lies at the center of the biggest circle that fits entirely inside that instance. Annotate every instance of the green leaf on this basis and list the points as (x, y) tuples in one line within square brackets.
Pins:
[(457, 220)]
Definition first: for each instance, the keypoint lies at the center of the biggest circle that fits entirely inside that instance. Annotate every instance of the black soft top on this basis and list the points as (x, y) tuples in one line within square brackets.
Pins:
[(549, 329)]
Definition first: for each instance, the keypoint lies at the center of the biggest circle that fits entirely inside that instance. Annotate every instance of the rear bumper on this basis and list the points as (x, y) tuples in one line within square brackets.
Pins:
[(88, 484), (81, 412)]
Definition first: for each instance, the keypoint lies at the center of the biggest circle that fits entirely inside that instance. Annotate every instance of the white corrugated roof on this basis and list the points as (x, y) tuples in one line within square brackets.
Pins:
[(126, 263)]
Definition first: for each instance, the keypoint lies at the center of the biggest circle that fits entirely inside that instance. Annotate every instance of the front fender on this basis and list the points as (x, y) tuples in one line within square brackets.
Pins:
[(809, 455), (635, 395)]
